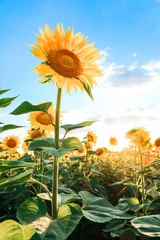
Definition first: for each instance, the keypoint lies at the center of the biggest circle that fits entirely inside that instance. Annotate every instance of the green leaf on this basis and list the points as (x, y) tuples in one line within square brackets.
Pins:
[(69, 216), (41, 224), (88, 90), (30, 210), (55, 231), (9, 127), (11, 230), (69, 127), (4, 102), (4, 91), (114, 224), (50, 150), (72, 143), (100, 210), (14, 165), (148, 225), (38, 144), (27, 107), (22, 177)]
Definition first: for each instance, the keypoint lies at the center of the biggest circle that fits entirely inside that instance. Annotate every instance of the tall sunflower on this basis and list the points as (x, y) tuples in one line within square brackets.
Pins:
[(113, 141), (41, 120), (138, 136), (11, 143), (67, 60)]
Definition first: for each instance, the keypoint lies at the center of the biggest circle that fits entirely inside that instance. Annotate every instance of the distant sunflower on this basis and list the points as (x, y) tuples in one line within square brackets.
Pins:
[(68, 61), (88, 146), (91, 137), (12, 143), (101, 152), (113, 141), (42, 120), (157, 142), (138, 136)]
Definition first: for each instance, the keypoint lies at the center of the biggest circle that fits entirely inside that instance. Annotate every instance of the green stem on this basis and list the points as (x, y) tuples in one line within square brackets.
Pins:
[(142, 177), (55, 165), (41, 169), (32, 180)]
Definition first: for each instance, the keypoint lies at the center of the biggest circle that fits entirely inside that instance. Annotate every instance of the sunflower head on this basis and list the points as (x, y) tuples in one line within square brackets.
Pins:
[(11, 143), (67, 60), (138, 136), (157, 142), (91, 137), (113, 141), (43, 120)]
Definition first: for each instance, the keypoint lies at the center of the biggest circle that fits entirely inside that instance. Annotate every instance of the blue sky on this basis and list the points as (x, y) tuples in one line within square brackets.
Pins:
[(126, 32)]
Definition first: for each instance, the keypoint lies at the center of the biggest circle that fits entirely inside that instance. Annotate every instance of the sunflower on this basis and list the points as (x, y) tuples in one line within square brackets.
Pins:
[(88, 146), (68, 61), (139, 136), (157, 142), (91, 137), (113, 141), (101, 152), (11, 143), (42, 120)]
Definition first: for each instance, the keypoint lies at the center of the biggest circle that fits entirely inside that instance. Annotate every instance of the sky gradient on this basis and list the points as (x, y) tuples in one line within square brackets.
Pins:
[(127, 34)]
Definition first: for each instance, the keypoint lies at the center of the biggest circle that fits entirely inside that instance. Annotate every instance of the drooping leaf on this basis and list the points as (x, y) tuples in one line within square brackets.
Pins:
[(50, 150), (148, 225), (38, 144), (9, 127), (27, 107), (22, 177), (55, 231), (88, 90), (100, 210), (30, 210), (69, 127), (14, 165), (114, 224)]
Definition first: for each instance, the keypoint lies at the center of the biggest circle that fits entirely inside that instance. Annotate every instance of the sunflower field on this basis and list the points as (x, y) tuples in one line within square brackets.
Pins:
[(65, 188)]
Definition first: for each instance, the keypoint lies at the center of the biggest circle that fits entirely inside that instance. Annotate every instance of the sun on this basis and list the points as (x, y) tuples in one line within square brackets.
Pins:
[(68, 61)]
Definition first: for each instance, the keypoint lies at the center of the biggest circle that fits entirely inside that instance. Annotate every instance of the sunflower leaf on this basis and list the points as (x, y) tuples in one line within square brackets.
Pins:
[(9, 127), (87, 88), (27, 107), (4, 102), (3, 91), (69, 127)]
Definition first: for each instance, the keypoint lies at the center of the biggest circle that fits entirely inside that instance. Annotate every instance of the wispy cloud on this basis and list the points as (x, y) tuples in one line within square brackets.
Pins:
[(134, 54)]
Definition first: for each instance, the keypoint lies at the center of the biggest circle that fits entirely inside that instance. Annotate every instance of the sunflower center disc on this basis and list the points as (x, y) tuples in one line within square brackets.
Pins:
[(36, 134), (43, 119), (65, 63), (11, 143)]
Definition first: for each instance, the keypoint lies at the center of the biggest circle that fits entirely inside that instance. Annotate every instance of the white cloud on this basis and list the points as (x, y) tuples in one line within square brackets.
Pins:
[(134, 54)]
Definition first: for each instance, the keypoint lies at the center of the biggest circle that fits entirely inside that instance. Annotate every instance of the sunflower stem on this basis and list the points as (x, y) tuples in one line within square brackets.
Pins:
[(55, 164), (142, 178)]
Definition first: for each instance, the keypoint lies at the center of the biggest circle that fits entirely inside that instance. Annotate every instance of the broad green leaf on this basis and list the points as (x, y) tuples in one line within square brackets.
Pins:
[(100, 210), (69, 127), (9, 127), (55, 231), (30, 210), (67, 198), (50, 150), (148, 225), (114, 224), (38, 144), (22, 177), (72, 143), (11, 230), (27, 107), (69, 216), (14, 164), (4, 102), (4, 91)]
